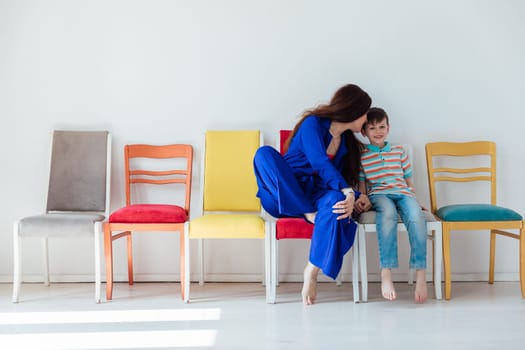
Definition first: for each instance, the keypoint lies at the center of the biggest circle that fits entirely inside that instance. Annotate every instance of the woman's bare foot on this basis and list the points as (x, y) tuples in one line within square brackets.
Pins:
[(309, 292), (310, 217), (387, 286), (421, 293)]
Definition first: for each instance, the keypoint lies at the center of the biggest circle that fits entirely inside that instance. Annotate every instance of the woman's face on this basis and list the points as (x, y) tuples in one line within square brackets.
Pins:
[(357, 124)]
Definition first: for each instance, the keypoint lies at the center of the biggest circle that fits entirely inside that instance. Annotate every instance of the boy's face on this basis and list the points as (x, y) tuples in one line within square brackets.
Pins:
[(377, 133)]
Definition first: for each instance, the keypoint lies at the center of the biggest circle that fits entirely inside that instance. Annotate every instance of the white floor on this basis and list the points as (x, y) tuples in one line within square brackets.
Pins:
[(235, 316)]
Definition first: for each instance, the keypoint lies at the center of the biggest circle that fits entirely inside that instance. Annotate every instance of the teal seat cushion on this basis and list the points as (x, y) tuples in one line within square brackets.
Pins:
[(477, 212)]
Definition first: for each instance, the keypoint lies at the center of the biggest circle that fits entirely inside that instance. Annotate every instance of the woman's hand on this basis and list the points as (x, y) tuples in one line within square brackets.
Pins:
[(362, 204), (344, 207)]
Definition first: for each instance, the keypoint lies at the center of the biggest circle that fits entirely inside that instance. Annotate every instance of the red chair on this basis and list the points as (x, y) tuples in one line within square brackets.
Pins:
[(298, 228)]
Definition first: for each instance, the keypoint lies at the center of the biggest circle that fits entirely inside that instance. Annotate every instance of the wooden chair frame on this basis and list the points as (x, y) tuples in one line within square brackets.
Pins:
[(464, 175), (153, 177)]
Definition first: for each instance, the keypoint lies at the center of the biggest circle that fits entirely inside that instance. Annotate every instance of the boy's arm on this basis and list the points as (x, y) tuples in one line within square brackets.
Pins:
[(410, 184), (362, 204), (362, 186)]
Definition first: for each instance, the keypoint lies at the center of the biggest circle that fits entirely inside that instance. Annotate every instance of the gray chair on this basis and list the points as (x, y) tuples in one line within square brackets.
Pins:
[(77, 200)]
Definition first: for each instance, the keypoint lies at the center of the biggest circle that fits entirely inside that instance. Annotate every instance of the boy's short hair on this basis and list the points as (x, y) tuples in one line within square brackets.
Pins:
[(376, 115)]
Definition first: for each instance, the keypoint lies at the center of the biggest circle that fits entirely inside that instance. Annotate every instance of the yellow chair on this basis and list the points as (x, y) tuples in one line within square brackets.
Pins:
[(230, 208), (478, 163)]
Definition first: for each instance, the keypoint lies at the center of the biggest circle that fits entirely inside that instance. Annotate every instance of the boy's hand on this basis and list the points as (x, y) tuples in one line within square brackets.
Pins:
[(362, 204)]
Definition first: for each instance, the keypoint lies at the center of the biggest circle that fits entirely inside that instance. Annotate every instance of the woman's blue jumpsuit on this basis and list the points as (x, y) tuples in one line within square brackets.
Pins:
[(306, 180)]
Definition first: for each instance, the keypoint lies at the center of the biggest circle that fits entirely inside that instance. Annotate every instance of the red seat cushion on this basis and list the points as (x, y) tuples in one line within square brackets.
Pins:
[(293, 228), (149, 214)]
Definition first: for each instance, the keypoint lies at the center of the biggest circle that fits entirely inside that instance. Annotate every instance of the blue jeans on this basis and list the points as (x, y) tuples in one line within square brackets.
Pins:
[(387, 207)]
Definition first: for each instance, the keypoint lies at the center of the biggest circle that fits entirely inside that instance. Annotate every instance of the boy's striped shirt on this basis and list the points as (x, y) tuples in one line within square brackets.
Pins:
[(385, 170)]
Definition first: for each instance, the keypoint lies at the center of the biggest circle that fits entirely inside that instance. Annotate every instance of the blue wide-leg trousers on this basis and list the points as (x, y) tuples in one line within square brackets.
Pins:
[(282, 195)]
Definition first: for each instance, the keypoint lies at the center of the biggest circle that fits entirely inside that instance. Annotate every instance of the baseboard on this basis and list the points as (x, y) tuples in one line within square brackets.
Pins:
[(283, 277)]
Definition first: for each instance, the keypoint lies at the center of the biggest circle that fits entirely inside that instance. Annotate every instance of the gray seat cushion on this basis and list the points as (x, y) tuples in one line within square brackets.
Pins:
[(369, 217), (59, 224)]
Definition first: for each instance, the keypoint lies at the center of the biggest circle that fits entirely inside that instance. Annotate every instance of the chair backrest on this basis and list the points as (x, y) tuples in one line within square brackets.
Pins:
[(459, 172), (79, 172), (228, 178), (283, 136), (159, 173)]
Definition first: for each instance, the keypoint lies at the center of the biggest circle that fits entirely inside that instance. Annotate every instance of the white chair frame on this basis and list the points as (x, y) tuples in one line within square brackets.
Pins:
[(97, 232)]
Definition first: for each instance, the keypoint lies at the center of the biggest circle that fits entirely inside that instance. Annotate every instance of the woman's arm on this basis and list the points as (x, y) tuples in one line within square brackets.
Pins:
[(311, 136)]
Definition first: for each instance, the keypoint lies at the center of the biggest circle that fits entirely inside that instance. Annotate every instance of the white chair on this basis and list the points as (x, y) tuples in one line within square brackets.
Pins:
[(367, 224), (77, 200)]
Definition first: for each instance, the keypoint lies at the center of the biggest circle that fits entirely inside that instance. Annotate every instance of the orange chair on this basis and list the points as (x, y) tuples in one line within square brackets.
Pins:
[(175, 162), (298, 228)]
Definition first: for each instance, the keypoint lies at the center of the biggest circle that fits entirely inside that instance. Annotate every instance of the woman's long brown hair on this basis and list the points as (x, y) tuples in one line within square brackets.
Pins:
[(349, 103)]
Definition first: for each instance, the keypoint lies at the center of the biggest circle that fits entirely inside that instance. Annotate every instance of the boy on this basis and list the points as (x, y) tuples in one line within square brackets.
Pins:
[(386, 175)]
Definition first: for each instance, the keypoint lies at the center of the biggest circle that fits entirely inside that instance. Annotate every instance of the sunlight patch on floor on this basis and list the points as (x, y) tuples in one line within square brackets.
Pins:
[(111, 340), (69, 317)]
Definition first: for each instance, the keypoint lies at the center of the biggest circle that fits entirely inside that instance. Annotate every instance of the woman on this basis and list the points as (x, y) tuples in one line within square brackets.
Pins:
[(315, 180)]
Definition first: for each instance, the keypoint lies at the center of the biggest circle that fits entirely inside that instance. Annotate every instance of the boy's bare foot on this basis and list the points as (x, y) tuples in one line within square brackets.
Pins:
[(309, 292), (421, 293), (310, 217), (387, 286)]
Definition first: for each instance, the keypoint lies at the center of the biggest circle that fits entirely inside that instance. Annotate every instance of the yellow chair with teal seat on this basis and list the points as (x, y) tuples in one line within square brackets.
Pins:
[(464, 163), (230, 208)]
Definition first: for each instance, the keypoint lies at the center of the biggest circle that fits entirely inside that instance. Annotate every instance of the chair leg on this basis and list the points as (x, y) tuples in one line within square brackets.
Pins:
[(492, 257), (411, 273), (187, 275), (182, 262), (263, 276), (97, 233), (273, 263), (362, 263), (522, 260), (108, 253), (17, 272), (267, 265), (433, 237), (437, 258), (201, 259), (355, 270), (130, 258), (45, 254), (446, 260), (339, 278)]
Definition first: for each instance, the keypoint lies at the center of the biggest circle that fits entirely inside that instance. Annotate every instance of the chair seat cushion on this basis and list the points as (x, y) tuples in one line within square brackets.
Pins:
[(58, 224), (227, 226), (293, 228), (369, 217), (149, 214), (477, 212)]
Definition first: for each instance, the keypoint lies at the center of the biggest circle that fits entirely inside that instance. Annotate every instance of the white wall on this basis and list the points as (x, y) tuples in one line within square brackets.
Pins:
[(165, 71)]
